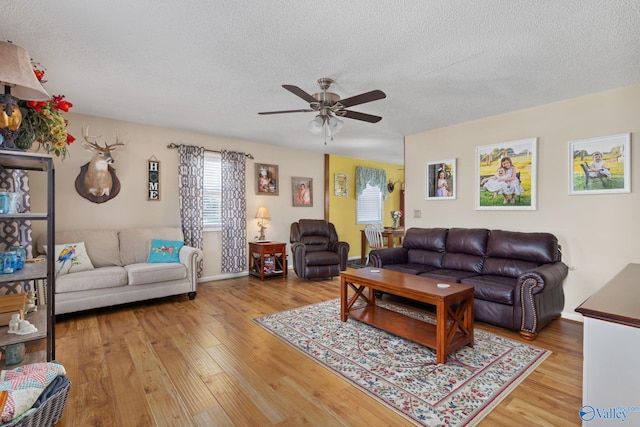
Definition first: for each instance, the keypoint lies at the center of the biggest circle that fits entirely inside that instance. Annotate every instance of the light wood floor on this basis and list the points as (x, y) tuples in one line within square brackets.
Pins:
[(175, 362)]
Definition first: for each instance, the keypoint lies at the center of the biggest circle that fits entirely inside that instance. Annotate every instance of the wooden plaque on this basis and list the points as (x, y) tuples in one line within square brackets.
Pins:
[(153, 187)]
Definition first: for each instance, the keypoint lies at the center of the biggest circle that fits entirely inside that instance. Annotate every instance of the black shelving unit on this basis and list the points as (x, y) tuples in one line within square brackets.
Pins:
[(44, 317)]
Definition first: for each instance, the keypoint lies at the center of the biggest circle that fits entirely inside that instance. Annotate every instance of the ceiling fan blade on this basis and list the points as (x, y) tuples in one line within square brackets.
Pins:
[(374, 95), (361, 116), (307, 110), (299, 92)]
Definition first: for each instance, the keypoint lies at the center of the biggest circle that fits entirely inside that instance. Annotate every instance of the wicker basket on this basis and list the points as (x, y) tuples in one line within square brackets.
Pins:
[(48, 413)]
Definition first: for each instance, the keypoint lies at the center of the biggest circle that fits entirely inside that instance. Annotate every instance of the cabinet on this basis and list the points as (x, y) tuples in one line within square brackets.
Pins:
[(610, 375), (267, 259), (44, 317)]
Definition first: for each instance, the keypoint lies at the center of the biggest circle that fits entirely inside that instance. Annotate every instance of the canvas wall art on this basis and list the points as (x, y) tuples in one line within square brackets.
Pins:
[(600, 165), (506, 175)]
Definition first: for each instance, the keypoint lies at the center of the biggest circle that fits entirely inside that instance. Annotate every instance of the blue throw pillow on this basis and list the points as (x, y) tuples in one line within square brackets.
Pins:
[(165, 250)]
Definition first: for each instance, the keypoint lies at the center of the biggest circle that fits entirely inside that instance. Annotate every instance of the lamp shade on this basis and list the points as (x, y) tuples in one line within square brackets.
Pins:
[(315, 125), (334, 125), (16, 72), (262, 213)]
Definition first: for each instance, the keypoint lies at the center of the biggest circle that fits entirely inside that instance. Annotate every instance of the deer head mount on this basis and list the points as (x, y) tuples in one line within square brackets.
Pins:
[(391, 185), (97, 180)]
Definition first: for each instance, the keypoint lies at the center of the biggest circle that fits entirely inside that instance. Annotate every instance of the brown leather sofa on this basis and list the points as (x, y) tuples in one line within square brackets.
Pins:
[(517, 277), (316, 251)]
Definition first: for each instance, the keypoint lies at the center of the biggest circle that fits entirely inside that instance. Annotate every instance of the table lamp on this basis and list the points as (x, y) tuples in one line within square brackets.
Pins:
[(262, 214), (19, 81)]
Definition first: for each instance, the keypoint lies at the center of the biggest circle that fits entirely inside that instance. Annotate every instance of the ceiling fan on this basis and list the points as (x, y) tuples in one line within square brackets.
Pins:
[(329, 107)]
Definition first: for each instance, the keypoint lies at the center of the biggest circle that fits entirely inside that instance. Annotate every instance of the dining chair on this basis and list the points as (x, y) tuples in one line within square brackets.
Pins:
[(373, 233)]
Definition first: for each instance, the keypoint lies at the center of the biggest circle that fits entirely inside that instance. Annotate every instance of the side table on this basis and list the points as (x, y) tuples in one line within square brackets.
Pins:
[(268, 259)]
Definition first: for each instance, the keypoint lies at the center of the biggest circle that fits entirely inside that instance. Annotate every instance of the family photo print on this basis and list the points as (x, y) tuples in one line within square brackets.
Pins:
[(600, 165), (441, 180), (302, 191), (267, 179), (506, 175)]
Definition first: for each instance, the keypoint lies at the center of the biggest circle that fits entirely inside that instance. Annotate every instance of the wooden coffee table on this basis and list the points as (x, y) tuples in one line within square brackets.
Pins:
[(454, 307)]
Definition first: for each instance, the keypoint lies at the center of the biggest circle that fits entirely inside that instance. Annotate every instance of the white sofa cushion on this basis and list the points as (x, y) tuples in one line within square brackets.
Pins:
[(103, 246), (143, 273), (104, 277), (135, 243)]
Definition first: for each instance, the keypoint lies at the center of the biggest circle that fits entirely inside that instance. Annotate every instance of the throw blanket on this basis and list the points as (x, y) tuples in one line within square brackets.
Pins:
[(23, 386)]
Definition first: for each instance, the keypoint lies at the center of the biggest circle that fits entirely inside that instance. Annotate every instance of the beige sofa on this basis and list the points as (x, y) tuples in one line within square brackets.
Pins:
[(121, 273)]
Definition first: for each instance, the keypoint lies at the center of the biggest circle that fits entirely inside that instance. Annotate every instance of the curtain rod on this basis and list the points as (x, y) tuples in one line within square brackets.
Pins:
[(172, 145)]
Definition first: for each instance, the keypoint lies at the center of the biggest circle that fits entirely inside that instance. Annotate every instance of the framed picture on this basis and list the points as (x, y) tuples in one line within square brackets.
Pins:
[(341, 185), (441, 180), (600, 165), (267, 179), (506, 175), (302, 191)]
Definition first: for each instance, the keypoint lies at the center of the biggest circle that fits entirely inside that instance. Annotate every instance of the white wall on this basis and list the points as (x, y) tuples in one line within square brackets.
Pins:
[(599, 234), (131, 207)]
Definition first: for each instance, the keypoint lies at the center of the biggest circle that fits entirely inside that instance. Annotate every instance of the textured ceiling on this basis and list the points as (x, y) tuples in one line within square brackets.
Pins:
[(211, 66)]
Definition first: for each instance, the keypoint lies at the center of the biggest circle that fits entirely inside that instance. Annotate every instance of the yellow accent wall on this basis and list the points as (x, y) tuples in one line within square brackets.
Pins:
[(342, 210)]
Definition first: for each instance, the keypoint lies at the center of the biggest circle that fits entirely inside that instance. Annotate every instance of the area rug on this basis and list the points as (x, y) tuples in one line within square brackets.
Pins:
[(404, 375), (355, 264)]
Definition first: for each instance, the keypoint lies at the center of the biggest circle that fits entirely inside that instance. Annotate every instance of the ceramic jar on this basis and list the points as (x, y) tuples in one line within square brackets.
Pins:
[(21, 254), (9, 202), (14, 353), (8, 262)]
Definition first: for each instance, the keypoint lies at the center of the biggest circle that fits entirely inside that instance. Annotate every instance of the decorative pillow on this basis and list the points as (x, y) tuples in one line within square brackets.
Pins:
[(71, 258), (165, 250)]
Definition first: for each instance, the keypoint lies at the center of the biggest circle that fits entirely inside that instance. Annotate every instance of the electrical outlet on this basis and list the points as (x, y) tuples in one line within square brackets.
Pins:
[(417, 213)]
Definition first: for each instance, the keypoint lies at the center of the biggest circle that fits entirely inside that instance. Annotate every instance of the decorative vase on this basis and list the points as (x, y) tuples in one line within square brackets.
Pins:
[(14, 353), (395, 222)]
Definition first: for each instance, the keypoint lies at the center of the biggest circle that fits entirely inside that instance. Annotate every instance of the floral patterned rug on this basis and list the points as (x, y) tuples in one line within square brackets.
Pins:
[(404, 375)]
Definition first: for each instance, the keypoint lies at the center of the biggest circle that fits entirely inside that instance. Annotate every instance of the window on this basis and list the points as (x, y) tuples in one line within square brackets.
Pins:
[(212, 191), (369, 206)]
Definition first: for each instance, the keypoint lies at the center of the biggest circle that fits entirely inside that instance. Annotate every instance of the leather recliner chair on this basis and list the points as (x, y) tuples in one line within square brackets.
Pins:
[(316, 251)]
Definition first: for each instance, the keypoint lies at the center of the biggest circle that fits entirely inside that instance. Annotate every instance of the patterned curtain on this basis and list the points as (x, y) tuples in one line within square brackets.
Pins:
[(16, 232), (234, 212), (191, 178), (373, 177)]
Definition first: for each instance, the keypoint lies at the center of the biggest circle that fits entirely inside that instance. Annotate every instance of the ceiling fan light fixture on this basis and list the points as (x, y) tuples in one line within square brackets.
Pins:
[(316, 125), (334, 125), (330, 108)]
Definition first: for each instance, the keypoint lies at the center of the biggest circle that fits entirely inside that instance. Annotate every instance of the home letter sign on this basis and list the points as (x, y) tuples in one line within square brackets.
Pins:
[(154, 180)]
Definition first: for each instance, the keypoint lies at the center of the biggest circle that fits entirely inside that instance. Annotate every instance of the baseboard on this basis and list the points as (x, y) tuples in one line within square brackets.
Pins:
[(572, 316), (222, 277), (227, 276)]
